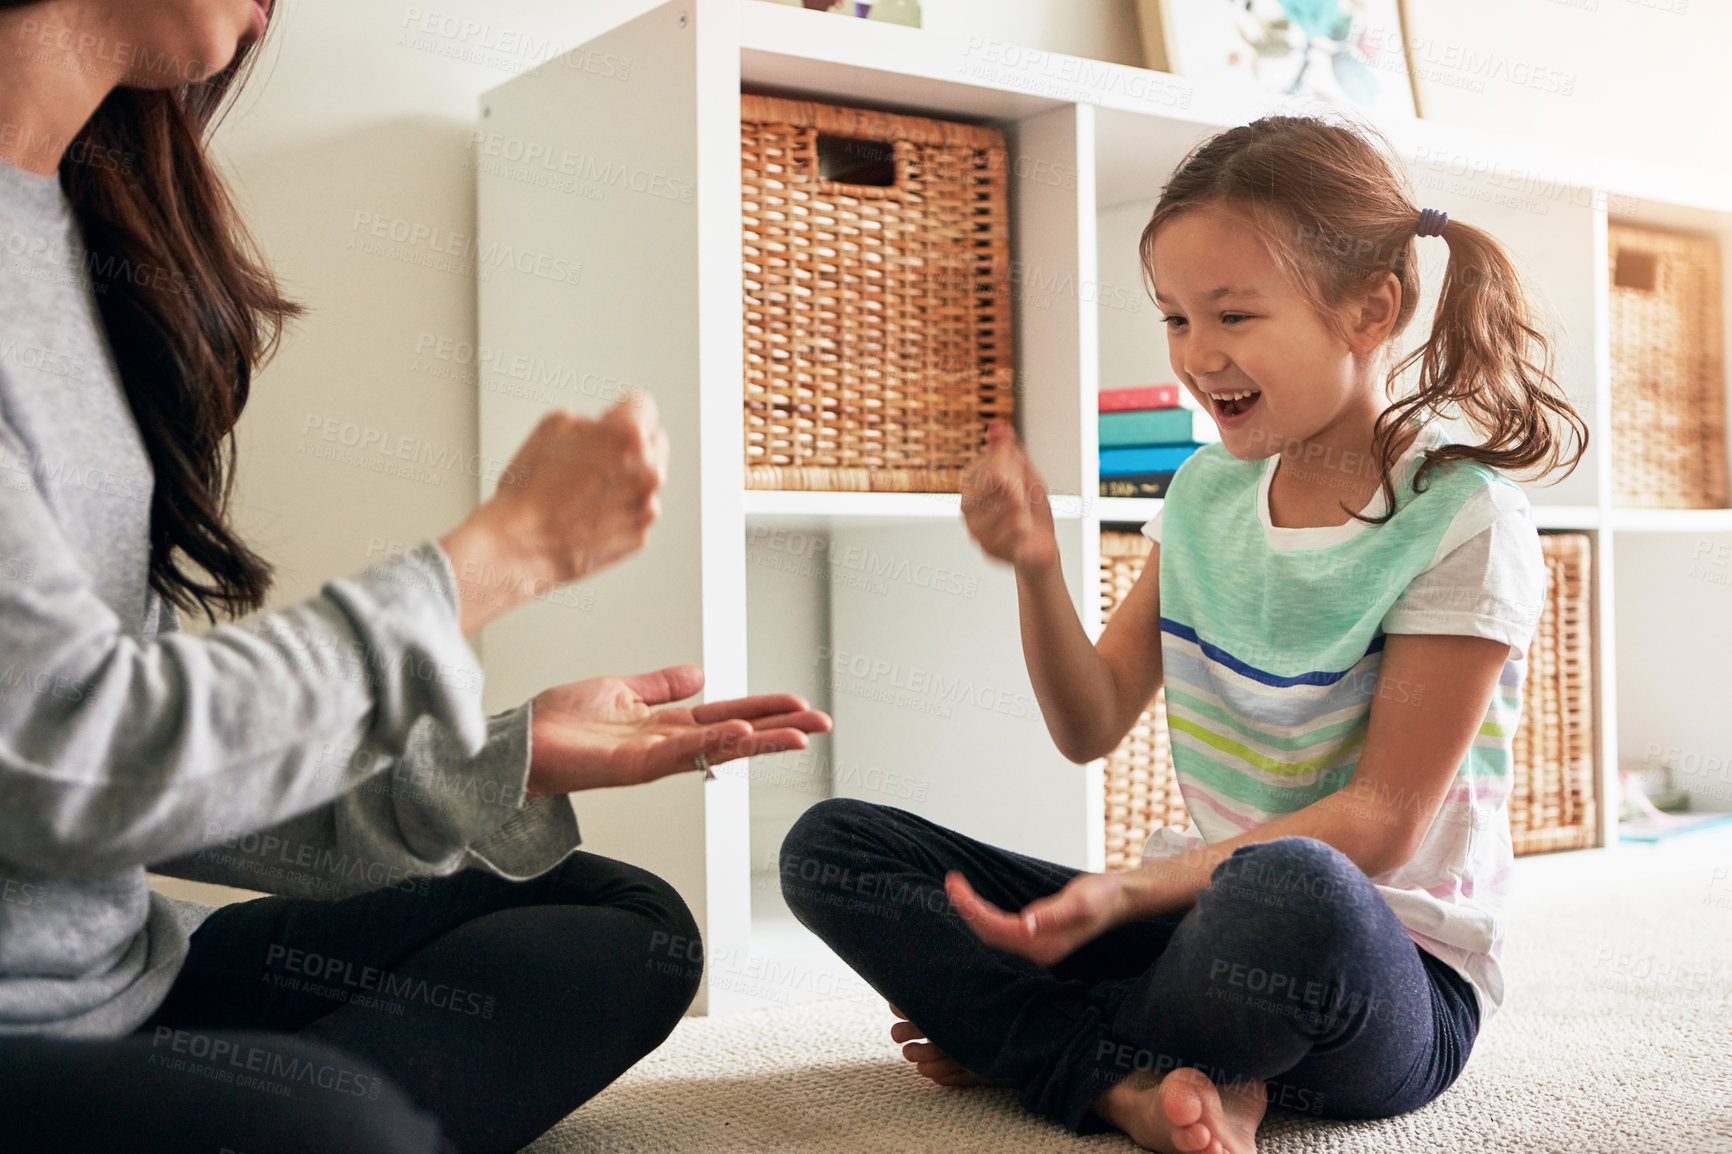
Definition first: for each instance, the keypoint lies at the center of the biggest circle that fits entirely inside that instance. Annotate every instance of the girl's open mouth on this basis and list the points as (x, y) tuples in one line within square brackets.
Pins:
[(1232, 411)]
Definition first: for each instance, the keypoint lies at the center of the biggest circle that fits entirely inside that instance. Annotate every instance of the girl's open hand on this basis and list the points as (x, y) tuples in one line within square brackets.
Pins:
[(1004, 502), (1052, 928)]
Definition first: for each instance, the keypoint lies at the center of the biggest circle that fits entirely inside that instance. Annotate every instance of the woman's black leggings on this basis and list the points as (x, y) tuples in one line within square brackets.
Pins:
[(465, 1013)]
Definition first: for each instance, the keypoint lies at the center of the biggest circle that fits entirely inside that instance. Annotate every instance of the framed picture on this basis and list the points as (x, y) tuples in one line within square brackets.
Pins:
[(888, 11), (1350, 52)]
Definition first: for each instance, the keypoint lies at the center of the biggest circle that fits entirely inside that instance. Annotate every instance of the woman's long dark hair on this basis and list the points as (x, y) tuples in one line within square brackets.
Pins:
[(1330, 204), (190, 309)]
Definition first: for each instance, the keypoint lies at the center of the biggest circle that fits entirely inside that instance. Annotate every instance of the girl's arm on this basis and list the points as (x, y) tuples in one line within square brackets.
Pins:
[(1432, 695), (1090, 693), (1090, 696)]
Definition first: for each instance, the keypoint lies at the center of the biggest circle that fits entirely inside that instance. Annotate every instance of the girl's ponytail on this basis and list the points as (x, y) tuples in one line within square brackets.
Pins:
[(1486, 359)]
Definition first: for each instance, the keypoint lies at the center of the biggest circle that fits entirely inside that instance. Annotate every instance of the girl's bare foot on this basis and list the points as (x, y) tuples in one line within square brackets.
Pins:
[(932, 1062), (1184, 1112)]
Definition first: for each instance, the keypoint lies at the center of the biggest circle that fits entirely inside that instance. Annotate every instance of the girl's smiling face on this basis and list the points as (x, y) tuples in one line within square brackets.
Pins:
[(1236, 325)]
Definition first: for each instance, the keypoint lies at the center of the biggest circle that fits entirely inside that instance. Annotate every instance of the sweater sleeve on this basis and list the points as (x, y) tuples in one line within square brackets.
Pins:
[(117, 753), (430, 812)]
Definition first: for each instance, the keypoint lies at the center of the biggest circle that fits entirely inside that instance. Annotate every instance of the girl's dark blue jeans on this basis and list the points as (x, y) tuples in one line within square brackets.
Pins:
[(1290, 969)]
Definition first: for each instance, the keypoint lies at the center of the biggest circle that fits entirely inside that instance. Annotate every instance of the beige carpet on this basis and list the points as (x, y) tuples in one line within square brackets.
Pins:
[(1615, 1038)]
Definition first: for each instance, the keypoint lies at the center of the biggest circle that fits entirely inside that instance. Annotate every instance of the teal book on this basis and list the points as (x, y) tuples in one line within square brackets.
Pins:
[(1147, 459), (1157, 427)]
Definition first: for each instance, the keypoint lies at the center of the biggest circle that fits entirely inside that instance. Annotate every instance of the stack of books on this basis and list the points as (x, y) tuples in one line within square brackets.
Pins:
[(1145, 435)]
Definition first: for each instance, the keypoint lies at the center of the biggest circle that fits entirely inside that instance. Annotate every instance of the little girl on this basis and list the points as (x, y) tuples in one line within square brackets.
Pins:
[(1338, 603)]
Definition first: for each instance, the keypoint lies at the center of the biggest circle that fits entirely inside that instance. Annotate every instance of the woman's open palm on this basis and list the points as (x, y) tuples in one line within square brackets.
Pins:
[(609, 731)]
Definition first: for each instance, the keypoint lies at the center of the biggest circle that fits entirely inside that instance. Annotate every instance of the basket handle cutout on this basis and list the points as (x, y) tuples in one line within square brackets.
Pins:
[(1636, 269), (853, 160)]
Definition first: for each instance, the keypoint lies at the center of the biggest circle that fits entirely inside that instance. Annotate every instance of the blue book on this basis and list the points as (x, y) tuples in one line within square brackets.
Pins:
[(1145, 459)]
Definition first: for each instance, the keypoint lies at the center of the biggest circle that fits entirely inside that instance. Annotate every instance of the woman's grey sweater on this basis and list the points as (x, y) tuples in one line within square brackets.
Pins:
[(328, 748)]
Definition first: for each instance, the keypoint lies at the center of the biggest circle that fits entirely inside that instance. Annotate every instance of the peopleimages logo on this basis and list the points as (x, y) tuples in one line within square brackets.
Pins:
[(121, 57), (38, 256), (927, 690), (370, 979), (582, 166), (228, 1060), (429, 455), (261, 850), (427, 244), (42, 359)]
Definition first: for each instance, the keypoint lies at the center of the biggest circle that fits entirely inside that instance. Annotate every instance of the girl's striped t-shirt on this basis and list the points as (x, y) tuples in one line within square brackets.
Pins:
[(1272, 643)]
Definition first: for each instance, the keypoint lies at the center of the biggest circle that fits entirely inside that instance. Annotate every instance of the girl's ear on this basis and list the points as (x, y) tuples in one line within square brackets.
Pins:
[(1376, 314)]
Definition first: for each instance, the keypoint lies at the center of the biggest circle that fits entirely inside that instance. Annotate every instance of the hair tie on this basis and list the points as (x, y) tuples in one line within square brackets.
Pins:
[(1431, 222)]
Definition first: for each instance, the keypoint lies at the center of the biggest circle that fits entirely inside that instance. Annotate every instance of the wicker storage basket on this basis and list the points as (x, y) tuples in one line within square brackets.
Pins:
[(1142, 793), (1668, 384), (877, 296), (1552, 802)]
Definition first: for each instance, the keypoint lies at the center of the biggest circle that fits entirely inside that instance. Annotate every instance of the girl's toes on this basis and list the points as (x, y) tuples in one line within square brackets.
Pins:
[(1194, 1139), (921, 1052), (1186, 1095), (1182, 1099), (950, 1072)]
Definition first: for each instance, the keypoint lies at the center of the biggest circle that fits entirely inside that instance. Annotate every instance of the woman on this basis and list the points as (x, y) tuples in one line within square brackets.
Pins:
[(439, 968)]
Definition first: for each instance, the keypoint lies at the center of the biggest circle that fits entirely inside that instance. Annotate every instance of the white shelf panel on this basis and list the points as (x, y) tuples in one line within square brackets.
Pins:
[(767, 503), (1138, 509), (1672, 520), (928, 680), (1566, 516), (787, 965), (915, 69), (798, 503), (980, 77)]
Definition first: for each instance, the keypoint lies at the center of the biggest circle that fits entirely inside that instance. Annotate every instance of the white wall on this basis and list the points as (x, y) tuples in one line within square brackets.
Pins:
[(1645, 78), (361, 109)]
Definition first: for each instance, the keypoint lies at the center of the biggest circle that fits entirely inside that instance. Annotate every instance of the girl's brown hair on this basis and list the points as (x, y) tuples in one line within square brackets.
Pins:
[(1337, 218), (190, 310)]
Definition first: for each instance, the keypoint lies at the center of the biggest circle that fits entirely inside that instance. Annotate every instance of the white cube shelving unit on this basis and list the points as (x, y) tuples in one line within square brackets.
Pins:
[(621, 159)]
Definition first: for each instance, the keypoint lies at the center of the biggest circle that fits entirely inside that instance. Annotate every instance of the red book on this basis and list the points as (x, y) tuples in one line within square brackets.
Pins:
[(1139, 397)]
